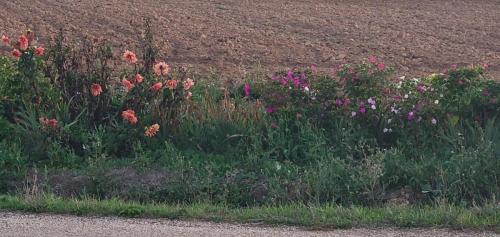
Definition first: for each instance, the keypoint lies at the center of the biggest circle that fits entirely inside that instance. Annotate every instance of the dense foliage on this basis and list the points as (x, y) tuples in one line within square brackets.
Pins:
[(141, 130)]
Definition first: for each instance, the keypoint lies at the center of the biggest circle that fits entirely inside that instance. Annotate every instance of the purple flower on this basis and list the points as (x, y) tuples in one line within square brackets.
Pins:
[(283, 81), (362, 109), (486, 93), (247, 89), (421, 88), (289, 75), (411, 115), (314, 68), (372, 59), (339, 102), (303, 76), (271, 109), (296, 82)]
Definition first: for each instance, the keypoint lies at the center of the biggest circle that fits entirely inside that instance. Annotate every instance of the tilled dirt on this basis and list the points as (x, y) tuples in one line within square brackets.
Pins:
[(19, 225), (235, 36)]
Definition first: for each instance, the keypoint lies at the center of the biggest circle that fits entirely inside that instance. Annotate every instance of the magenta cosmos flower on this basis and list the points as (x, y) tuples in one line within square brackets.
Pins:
[(247, 89)]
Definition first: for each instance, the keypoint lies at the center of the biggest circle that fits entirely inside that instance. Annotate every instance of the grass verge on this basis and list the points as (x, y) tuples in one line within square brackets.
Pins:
[(312, 217)]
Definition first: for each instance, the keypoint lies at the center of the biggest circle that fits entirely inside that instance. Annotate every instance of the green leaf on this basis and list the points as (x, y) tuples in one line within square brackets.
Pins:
[(454, 120)]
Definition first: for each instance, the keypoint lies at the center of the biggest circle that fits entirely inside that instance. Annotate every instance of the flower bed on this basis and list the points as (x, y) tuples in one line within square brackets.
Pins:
[(298, 136)]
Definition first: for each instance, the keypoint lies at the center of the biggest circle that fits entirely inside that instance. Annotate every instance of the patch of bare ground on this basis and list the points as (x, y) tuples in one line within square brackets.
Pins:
[(233, 36)]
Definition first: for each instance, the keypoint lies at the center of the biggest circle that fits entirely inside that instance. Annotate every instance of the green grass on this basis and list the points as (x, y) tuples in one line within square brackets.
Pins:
[(313, 217)]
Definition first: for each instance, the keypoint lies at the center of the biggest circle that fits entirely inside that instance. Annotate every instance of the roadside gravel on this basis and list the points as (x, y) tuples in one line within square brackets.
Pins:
[(43, 225)]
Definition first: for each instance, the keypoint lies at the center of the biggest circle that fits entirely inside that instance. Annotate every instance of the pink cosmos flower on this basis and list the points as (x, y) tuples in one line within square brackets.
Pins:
[(161, 69), (16, 53), (5, 40), (454, 66), (289, 75), (381, 66), (189, 95), (270, 109), (127, 84), (188, 83), (95, 89), (485, 66), (372, 59), (247, 89), (129, 57), (283, 81), (314, 68), (39, 51), (23, 42)]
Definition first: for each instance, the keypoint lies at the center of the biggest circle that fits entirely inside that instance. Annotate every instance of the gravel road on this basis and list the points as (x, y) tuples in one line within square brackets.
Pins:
[(18, 224)]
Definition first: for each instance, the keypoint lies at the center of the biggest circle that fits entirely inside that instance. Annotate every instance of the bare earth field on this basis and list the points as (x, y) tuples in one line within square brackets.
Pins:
[(234, 36), (19, 225)]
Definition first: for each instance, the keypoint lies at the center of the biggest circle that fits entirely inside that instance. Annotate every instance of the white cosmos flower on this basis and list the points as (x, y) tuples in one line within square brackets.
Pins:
[(371, 101), (436, 102), (394, 110)]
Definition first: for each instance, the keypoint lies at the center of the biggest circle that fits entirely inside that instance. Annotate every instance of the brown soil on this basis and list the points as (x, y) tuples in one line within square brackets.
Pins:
[(234, 36)]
